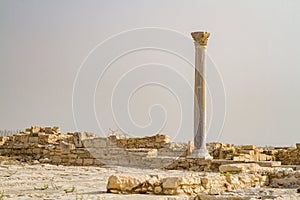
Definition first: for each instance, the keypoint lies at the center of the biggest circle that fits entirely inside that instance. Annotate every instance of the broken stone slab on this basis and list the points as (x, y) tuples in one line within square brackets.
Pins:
[(239, 168), (269, 163), (125, 184)]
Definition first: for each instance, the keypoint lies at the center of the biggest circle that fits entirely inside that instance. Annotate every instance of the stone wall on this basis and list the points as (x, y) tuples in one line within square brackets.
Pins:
[(290, 156), (48, 145), (154, 142), (245, 153)]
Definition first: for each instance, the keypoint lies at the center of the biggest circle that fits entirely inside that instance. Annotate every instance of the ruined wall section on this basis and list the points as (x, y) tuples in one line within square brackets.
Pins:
[(289, 156), (154, 142), (48, 145)]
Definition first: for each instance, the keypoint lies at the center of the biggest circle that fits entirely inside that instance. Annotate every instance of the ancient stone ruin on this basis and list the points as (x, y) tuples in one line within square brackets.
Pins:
[(233, 167)]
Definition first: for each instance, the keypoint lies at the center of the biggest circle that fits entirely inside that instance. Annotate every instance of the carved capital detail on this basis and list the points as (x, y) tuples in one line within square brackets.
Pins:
[(200, 38)]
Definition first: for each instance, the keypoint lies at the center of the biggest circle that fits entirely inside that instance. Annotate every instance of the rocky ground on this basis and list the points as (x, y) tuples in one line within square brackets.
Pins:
[(22, 181)]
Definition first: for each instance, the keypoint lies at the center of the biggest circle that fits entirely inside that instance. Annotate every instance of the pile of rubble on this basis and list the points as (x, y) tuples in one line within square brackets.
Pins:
[(230, 177)]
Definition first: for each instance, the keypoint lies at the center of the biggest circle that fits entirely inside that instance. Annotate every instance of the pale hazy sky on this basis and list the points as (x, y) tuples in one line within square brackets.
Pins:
[(254, 45)]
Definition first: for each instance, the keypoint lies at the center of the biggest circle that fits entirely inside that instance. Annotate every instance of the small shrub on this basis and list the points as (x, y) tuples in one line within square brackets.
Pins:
[(70, 191)]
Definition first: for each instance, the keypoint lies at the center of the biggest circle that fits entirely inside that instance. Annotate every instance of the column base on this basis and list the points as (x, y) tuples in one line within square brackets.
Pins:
[(200, 153)]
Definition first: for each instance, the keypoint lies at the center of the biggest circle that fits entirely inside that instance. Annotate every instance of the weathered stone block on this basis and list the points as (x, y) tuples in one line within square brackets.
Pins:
[(33, 139), (56, 159), (36, 151), (23, 138), (262, 157), (238, 168), (88, 161), (66, 147), (35, 129), (79, 161), (248, 147), (125, 183)]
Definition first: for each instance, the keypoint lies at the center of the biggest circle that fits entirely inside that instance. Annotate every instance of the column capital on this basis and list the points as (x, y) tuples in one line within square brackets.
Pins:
[(200, 38)]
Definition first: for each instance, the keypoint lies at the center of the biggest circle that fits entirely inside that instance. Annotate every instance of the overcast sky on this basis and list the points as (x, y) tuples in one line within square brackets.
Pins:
[(46, 51)]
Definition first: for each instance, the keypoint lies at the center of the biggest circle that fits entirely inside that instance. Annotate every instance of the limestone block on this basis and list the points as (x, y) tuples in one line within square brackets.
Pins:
[(66, 147), (79, 161), (35, 129), (56, 130), (79, 136), (98, 162), (248, 147), (36, 151), (23, 138), (262, 157), (83, 153), (171, 182), (33, 139), (43, 139), (214, 185), (239, 167), (88, 161), (269, 163), (101, 142), (55, 159), (157, 190), (89, 143), (125, 183), (298, 145)]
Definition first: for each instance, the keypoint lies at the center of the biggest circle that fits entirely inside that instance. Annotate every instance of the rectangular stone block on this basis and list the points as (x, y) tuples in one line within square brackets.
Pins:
[(36, 151), (43, 139), (88, 143), (66, 147), (22, 138), (79, 161), (55, 159), (248, 147), (262, 157), (33, 139), (100, 142), (298, 145), (88, 161)]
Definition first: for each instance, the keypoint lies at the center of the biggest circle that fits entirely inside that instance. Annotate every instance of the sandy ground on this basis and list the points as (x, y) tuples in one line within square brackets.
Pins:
[(23, 181)]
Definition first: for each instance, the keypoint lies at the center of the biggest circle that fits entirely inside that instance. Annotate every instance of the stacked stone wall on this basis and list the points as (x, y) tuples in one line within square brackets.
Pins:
[(290, 156), (47, 145), (154, 142)]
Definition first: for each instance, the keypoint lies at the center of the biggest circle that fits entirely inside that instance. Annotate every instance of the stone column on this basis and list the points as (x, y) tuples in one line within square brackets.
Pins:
[(200, 41)]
